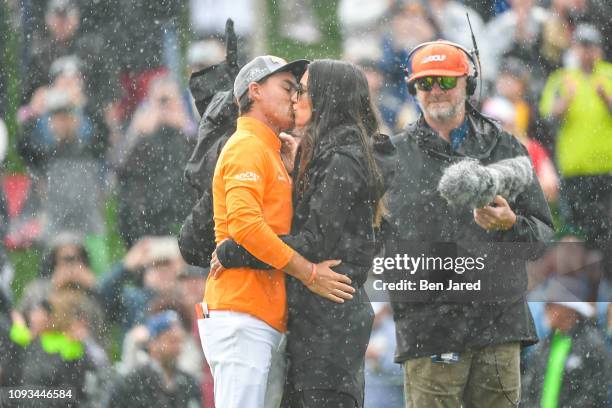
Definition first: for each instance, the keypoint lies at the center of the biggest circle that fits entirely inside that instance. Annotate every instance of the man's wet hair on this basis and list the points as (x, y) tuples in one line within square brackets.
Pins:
[(245, 103)]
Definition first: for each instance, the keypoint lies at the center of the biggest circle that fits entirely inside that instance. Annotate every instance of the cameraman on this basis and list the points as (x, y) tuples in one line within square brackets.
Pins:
[(482, 339)]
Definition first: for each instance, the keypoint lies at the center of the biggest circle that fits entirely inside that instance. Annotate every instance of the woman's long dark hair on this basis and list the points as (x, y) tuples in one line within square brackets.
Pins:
[(340, 97)]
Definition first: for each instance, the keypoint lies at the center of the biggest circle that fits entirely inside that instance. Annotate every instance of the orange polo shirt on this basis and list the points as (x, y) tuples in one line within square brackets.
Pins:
[(252, 205)]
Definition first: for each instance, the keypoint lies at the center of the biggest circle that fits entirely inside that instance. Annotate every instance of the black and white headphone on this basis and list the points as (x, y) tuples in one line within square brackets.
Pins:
[(472, 80)]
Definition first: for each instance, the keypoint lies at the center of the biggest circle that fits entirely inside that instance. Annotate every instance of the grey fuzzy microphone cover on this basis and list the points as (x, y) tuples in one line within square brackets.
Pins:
[(469, 184)]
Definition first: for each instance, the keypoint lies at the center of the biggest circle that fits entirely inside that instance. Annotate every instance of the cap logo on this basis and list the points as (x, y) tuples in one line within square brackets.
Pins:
[(253, 74), (433, 58), (277, 60)]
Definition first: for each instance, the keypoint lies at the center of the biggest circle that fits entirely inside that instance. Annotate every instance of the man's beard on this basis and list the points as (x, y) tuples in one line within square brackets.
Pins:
[(443, 113)]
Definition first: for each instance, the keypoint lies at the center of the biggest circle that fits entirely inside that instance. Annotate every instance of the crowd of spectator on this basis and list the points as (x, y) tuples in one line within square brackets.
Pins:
[(104, 116)]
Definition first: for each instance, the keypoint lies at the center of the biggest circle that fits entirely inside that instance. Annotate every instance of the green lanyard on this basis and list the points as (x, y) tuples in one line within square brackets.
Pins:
[(20, 334), (559, 350), (51, 342), (59, 343)]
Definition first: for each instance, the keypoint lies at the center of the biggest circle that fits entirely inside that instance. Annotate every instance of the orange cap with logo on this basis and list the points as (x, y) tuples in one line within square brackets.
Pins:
[(439, 59)]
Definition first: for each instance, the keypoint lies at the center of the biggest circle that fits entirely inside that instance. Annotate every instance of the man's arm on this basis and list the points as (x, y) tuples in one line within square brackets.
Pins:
[(230, 254), (516, 227)]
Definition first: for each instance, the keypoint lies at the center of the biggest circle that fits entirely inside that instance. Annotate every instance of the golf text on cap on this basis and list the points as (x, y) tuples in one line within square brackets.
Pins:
[(432, 58), (254, 74)]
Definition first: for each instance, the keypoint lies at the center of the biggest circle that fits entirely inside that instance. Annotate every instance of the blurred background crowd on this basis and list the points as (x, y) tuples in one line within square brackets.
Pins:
[(97, 123)]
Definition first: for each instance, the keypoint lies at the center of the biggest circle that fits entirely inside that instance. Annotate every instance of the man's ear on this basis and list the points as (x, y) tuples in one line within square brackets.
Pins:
[(254, 91)]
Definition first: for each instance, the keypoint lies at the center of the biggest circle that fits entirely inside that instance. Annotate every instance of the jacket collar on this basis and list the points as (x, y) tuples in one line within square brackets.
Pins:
[(260, 130), (481, 139)]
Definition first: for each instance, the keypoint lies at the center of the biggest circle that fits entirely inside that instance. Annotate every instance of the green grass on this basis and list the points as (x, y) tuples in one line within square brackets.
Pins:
[(331, 42), (26, 265)]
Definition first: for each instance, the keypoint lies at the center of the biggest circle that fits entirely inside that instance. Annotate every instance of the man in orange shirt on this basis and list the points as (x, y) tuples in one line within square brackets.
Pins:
[(245, 311)]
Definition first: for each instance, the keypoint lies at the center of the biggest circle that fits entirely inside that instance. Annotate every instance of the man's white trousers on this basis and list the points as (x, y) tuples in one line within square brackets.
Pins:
[(246, 357)]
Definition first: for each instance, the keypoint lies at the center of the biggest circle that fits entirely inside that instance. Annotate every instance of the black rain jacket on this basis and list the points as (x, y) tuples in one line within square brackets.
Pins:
[(212, 90), (419, 214)]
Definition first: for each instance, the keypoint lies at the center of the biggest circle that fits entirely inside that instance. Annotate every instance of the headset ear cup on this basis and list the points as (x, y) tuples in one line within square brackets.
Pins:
[(471, 84)]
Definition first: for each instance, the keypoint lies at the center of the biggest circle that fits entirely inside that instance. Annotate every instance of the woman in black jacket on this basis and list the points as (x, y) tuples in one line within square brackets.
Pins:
[(338, 187)]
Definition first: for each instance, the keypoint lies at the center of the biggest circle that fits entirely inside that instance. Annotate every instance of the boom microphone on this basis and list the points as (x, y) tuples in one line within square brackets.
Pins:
[(472, 185)]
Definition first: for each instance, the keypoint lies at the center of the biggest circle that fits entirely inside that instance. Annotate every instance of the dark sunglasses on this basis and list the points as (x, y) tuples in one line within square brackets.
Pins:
[(426, 83)]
